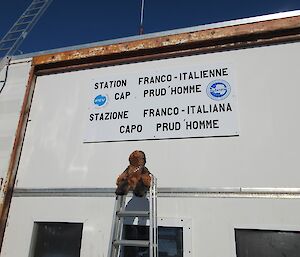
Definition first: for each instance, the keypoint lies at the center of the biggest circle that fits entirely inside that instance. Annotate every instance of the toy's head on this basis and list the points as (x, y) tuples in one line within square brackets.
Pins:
[(137, 158)]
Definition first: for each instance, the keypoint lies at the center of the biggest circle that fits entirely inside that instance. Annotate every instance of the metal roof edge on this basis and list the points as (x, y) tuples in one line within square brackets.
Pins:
[(267, 17)]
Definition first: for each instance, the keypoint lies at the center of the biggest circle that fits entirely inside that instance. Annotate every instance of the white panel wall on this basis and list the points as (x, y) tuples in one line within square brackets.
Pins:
[(213, 221), (11, 100), (264, 155)]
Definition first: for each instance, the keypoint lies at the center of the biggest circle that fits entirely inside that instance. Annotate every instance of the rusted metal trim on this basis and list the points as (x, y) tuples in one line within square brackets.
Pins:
[(8, 187), (172, 43), (50, 69)]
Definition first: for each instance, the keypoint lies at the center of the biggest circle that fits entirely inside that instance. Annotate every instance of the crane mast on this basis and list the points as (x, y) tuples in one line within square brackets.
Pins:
[(11, 41)]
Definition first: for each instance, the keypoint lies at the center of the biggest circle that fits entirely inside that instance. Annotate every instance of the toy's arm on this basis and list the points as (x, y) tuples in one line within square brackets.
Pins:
[(146, 178), (122, 177)]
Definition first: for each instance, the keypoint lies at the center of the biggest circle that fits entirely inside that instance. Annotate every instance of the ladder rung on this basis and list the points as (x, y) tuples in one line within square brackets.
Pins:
[(37, 5), (133, 213), (22, 23), (33, 9), (28, 15), (138, 243), (31, 13), (8, 40), (24, 19), (16, 31), (38, 2), (4, 49)]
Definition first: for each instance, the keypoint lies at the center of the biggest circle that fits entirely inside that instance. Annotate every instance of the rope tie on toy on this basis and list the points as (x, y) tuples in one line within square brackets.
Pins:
[(137, 169)]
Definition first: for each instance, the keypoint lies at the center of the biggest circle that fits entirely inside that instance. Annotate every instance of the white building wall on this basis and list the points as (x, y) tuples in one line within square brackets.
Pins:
[(212, 220), (265, 154)]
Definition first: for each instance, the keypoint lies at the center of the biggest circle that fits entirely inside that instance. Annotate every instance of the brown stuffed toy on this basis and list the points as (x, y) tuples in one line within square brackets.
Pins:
[(136, 177)]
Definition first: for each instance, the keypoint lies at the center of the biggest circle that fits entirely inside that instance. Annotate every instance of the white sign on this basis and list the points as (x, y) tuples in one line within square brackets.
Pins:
[(163, 103)]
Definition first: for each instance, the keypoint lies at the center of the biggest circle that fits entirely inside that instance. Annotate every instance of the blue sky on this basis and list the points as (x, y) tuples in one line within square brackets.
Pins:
[(68, 23)]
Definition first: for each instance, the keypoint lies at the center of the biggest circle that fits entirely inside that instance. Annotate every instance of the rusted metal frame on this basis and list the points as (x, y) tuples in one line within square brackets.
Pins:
[(8, 187), (201, 49), (174, 42)]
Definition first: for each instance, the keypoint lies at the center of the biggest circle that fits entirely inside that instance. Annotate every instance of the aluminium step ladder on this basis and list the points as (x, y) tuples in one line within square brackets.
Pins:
[(116, 240)]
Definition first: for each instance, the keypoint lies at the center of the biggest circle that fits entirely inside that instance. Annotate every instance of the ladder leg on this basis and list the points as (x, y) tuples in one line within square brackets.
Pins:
[(155, 239), (116, 229), (153, 232), (119, 230), (151, 220)]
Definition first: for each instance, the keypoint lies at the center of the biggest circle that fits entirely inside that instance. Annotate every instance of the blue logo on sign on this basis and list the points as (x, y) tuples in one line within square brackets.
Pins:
[(100, 100), (218, 89)]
